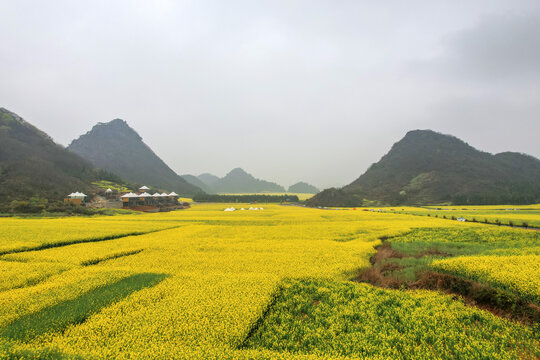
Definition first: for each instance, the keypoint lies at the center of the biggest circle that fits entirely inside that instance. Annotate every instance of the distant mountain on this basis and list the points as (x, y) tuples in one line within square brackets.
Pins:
[(116, 147), (303, 188), (426, 167), (236, 181), (239, 181), (209, 179), (194, 180), (31, 164)]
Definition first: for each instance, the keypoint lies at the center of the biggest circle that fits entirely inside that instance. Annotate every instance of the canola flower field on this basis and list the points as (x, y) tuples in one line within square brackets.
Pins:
[(520, 216), (274, 284)]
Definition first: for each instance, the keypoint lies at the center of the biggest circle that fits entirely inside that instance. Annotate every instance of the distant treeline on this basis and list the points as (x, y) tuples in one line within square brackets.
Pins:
[(494, 199), (245, 198)]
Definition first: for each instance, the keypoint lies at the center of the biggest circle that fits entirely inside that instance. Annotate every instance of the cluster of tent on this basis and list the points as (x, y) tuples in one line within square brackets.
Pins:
[(132, 199), (147, 195), (251, 208)]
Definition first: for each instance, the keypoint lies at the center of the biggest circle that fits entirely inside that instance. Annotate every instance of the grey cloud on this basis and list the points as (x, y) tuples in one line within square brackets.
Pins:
[(503, 47), (289, 90)]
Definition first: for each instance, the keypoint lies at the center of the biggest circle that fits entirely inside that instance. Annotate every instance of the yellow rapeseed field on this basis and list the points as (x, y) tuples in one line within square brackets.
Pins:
[(519, 273), (222, 270)]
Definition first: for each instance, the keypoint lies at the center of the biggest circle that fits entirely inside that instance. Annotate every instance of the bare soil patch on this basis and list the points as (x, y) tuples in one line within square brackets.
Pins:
[(497, 301)]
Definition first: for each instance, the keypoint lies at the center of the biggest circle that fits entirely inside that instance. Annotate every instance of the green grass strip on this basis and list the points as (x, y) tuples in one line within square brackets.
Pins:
[(60, 316)]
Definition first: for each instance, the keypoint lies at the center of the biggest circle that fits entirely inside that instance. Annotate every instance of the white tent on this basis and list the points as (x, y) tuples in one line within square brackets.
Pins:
[(129, 195), (173, 194), (144, 188), (76, 195), (145, 194), (108, 190)]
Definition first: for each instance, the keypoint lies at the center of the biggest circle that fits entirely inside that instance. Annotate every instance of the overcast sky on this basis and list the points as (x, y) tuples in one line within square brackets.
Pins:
[(289, 90)]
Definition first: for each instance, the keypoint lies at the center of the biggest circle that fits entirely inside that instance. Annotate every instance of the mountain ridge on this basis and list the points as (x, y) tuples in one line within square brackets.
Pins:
[(236, 181), (32, 164), (302, 187), (116, 147), (426, 167)]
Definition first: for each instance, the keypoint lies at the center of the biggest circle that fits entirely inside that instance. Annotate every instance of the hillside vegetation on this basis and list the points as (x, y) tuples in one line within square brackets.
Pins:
[(426, 167), (33, 165), (303, 188), (116, 147)]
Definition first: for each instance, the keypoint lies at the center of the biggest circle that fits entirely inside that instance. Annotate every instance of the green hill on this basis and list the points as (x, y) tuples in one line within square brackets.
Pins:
[(32, 164), (237, 181), (209, 179), (116, 147), (303, 188), (426, 167), (194, 180)]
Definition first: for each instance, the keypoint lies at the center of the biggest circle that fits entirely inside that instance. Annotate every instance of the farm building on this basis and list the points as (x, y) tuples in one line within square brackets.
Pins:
[(109, 194), (130, 199), (146, 199), (76, 198)]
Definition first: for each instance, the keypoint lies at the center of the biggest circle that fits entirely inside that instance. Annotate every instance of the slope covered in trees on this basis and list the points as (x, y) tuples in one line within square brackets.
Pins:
[(426, 167), (116, 147), (303, 188), (33, 165)]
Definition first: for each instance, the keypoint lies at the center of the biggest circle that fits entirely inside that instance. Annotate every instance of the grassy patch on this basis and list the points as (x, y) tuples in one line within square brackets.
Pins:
[(504, 258), (61, 315), (347, 319), (104, 185), (491, 277)]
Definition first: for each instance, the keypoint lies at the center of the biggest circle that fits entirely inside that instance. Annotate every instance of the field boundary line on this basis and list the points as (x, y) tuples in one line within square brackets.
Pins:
[(81, 241), (260, 320), (113, 256)]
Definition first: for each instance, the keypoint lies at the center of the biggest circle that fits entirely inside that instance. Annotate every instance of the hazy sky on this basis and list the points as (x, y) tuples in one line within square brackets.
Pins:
[(289, 90)]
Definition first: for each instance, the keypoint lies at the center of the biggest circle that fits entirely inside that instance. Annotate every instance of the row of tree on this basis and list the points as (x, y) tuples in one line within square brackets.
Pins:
[(201, 197)]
